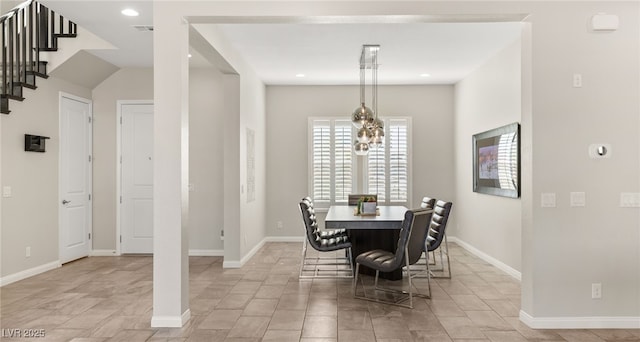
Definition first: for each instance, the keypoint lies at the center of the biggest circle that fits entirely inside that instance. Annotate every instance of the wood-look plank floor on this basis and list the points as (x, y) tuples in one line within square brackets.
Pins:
[(110, 299)]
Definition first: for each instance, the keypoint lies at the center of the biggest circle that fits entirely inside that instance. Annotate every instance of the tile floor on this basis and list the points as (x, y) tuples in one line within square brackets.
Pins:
[(110, 299)]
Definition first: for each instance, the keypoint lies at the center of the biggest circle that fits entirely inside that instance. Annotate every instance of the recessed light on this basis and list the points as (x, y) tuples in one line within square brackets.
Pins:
[(300, 75), (130, 12), (425, 75)]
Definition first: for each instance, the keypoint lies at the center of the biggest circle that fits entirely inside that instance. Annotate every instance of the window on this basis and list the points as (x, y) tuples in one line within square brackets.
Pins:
[(332, 160), (332, 163), (388, 166)]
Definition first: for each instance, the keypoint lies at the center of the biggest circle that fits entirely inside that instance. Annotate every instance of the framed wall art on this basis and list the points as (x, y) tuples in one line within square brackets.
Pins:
[(496, 161)]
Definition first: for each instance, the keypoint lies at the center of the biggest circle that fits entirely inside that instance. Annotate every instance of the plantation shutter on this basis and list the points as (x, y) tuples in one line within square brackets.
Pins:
[(398, 160), (321, 149), (343, 160), (376, 169)]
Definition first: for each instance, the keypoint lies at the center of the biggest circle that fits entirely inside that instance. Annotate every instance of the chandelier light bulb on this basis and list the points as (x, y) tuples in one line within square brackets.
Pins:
[(364, 135), (361, 149), (361, 116)]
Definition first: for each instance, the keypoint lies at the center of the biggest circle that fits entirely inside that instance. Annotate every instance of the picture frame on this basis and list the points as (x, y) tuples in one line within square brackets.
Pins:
[(496, 161)]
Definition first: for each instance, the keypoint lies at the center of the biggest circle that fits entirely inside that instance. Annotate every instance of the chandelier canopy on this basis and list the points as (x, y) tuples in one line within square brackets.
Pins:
[(370, 132)]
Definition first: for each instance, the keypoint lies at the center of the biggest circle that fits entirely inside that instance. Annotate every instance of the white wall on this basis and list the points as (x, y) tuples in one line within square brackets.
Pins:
[(486, 99), (206, 200), (250, 216), (125, 84), (288, 110), (30, 215), (570, 248)]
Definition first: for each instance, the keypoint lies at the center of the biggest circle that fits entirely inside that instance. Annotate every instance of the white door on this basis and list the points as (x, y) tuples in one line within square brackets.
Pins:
[(75, 177), (137, 178)]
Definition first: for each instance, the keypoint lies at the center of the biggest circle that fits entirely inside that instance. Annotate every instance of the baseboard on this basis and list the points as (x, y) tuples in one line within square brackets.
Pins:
[(12, 278), (580, 322), (170, 321), (486, 257), (231, 264), (284, 238), (254, 250), (103, 252), (206, 252)]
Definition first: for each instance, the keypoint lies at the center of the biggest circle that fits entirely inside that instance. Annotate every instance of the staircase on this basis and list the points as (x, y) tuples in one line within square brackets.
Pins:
[(27, 30)]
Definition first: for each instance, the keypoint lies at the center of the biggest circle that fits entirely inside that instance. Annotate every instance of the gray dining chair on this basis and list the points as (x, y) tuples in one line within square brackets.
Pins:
[(435, 236), (323, 241), (408, 252)]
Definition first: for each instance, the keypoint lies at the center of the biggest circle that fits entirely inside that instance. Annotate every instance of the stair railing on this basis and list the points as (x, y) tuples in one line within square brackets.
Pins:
[(28, 29)]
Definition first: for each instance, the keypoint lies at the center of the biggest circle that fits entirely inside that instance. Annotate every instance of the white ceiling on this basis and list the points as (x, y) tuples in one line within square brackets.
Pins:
[(330, 53), (325, 53)]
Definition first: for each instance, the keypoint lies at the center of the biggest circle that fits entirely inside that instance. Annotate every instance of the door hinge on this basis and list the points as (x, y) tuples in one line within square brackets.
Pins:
[(89, 236), (120, 238), (89, 158), (121, 120), (89, 197), (120, 159), (120, 199), (89, 119)]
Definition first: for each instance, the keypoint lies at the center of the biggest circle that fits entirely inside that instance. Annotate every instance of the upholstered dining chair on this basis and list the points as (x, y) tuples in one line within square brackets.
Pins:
[(435, 236), (427, 203), (408, 252), (338, 265)]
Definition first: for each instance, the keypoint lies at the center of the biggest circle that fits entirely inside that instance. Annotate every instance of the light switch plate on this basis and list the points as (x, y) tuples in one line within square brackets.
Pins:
[(578, 199), (6, 191), (630, 199), (548, 199)]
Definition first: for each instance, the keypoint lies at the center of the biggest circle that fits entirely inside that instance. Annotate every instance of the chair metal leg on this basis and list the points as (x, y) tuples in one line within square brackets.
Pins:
[(325, 267), (355, 279), (407, 295), (406, 258), (444, 275), (304, 257)]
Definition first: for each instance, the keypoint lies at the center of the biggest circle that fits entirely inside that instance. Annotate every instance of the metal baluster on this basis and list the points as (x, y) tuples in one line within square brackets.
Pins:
[(31, 65), (10, 83), (23, 69), (54, 43), (4, 59)]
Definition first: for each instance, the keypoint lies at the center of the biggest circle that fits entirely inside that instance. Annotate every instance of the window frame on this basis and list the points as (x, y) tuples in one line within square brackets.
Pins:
[(359, 166)]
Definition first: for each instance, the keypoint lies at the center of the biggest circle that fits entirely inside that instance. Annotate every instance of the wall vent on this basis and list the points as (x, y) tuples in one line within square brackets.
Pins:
[(143, 28)]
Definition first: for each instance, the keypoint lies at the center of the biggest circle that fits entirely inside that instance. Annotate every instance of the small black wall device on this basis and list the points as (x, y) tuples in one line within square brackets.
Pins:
[(34, 143)]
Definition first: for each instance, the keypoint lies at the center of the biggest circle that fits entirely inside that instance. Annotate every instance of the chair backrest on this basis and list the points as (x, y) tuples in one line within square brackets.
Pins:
[(310, 222), (354, 198), (438, 225), (428, 203), (412, 235)]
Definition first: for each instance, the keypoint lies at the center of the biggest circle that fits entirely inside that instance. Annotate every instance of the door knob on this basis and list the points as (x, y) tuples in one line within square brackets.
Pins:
[(65, 201)]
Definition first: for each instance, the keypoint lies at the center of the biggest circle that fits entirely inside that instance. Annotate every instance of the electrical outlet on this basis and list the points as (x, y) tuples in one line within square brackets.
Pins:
[(28, 252), (577, 80), (279, 225), (596, 291)]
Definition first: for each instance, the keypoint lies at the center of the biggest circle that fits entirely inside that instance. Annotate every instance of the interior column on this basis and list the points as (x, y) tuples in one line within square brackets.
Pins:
[(171, 168)]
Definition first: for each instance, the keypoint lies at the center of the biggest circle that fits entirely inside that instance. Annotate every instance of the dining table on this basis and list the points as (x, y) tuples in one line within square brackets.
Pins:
[(369, 232)]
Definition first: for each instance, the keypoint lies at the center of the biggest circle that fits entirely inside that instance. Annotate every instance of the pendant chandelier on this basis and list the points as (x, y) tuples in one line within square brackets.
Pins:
[(370, 132)]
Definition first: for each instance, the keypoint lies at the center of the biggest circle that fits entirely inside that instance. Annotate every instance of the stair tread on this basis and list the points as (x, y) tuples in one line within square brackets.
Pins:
[(26, 85), (65, 35), (13, 97)]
